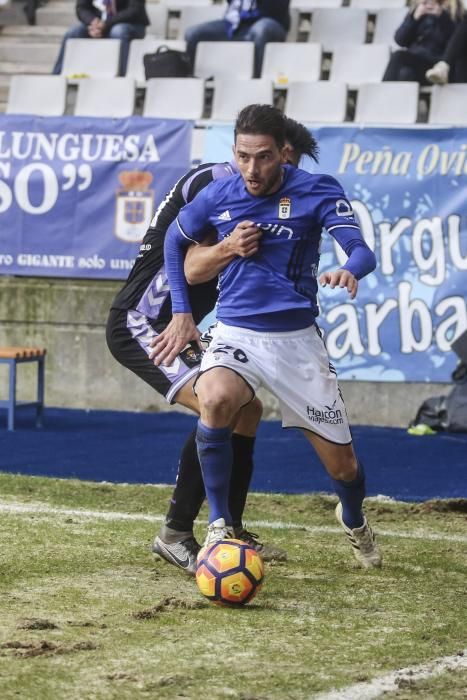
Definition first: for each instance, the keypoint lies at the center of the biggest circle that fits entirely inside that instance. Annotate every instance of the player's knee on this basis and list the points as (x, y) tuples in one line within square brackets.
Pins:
[(218, 403)]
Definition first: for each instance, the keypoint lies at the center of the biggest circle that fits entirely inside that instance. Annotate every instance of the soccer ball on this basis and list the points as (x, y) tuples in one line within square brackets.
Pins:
[(229, 572)]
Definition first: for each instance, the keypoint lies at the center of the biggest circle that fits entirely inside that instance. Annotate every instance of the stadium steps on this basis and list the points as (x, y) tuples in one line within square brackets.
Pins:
[(39, 58), (36, 34), (4, 88), (56, 14)]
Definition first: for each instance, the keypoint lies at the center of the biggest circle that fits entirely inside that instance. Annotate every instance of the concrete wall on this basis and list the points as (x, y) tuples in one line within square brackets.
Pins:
[(68, 318)]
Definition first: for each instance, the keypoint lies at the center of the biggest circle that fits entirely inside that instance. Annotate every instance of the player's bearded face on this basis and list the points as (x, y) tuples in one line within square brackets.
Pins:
[(259, 160)]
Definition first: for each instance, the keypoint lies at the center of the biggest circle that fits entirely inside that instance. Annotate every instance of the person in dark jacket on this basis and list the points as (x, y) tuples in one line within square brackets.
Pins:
[(114, 19), (453, 66), (424, 34), (259, 21)]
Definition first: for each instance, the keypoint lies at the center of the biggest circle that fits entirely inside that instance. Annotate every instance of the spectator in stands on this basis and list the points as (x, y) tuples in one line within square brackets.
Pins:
[(115, 19), (454, 57), (424, 34), (259, 21)]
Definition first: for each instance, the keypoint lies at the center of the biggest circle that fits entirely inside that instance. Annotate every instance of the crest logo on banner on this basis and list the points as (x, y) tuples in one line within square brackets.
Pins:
[(134, 205)]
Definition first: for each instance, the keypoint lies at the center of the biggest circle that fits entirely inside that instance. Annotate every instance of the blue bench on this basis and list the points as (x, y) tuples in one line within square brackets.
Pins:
[(13, 356)]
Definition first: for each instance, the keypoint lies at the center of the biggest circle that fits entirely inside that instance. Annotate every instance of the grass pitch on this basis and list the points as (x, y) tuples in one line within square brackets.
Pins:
[(87, 612)]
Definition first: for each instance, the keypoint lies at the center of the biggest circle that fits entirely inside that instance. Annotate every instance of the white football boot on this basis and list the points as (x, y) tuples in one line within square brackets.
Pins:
[(217, 531), (363, 542)]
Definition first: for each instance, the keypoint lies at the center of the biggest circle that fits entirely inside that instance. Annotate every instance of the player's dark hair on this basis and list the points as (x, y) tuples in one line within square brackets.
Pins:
[(261, 119), (301, 139)]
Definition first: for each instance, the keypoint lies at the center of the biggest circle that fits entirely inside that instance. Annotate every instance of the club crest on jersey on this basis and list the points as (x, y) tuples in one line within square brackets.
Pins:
[(134, 205), (343, 208), (284, 208)]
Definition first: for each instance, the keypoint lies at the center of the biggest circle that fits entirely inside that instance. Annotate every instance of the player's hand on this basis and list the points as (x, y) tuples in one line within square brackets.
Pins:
[(340, 278), (244, 239), (180, 331)]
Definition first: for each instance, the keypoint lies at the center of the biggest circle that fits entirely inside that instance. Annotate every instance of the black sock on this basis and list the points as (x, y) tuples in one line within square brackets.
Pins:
[(242, 471), (189, 493)]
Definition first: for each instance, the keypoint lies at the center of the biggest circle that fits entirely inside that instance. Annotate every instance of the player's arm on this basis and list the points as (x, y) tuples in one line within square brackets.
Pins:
[(204, 262), (188, 228), (339, 220)]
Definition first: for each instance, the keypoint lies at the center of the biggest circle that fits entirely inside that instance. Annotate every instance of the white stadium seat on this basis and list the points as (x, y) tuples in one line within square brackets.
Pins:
[(224, 59), (448, 105), (190, 16), (97, 58), (284, 62), (364, 63), (105, 97), (174, 98), (335, 27), (387, 21), (387, 103), (375, 5), (158, 17), (323, 102), (43, 95), (231, 95)]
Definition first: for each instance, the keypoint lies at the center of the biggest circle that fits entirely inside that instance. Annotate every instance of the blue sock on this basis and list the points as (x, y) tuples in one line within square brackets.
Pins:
[(215, 455), (351, 495)]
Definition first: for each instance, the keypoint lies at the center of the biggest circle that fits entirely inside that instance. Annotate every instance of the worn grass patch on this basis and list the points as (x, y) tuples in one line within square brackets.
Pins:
[(88, 612)]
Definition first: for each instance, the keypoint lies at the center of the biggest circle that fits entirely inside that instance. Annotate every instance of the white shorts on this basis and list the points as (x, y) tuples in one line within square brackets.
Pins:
[(294, 367)]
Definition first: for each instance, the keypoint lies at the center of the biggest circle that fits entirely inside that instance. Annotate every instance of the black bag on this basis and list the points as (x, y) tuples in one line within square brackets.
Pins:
[(166, 63)]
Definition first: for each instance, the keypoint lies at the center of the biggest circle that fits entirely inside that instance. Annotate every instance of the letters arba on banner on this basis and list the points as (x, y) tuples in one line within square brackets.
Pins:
[(134, 205)]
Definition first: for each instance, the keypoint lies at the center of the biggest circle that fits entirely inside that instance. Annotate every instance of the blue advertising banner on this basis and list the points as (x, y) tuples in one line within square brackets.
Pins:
[(408, 188), (77, 194)]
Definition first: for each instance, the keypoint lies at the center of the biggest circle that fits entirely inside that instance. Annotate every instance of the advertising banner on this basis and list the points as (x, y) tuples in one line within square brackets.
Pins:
[(408, 188), (77, 194)]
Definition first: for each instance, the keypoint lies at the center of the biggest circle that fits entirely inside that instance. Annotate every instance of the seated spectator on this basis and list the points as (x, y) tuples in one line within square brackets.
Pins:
[(259, 21), (453, 66), (424, 34), (115, 19)]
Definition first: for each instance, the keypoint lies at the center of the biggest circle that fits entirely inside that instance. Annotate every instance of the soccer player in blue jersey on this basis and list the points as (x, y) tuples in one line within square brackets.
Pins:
[(266, 333), (141, 309)]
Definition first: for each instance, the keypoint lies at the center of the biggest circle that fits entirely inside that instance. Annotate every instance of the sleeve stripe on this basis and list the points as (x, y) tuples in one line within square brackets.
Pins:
[(330, 228), (192, 240)]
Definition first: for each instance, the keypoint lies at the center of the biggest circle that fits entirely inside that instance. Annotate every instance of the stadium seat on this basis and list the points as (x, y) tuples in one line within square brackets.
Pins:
[(174, 98), (13, 356), (231, 95), (335, 27), (44, 95), (95, 59), (189, 16), (387, 103), (150, 44), (105, 97), (376, 5), (307, 6), (363, 63), (224, 59), (158, 17), (387, 21), (448, 105), (322, 102), (284, 62)]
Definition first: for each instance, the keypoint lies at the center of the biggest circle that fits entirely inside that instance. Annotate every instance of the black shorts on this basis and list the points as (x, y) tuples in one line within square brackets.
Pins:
[(128, 335)]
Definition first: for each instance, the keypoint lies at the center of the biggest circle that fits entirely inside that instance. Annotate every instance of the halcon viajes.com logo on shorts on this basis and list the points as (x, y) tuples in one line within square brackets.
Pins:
[(330, 415)]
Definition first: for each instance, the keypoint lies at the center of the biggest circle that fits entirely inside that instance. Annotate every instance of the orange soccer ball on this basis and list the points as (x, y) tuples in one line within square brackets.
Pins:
[(229, 572)]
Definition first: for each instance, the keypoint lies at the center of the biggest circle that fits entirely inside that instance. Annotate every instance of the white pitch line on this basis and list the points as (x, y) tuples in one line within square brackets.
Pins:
[(392, 681), (41, 509)]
